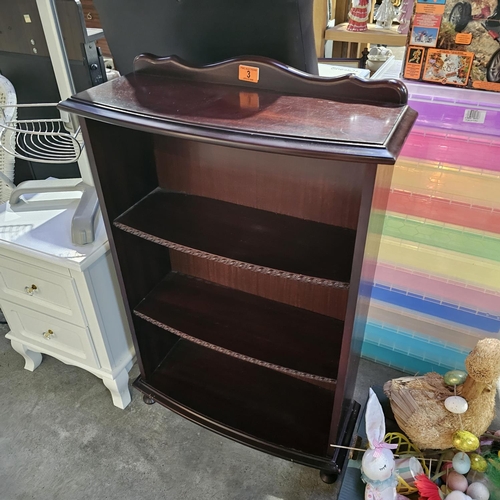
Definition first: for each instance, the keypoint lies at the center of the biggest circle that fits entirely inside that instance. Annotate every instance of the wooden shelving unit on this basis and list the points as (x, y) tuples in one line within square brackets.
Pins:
[(373, 35), (238, 216)]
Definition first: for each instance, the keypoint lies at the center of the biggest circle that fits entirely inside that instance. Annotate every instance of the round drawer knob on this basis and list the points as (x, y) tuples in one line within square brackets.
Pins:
[(48, 334), (30, 290)]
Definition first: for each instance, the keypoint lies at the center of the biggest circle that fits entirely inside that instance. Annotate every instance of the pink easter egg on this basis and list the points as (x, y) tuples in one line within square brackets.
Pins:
[(456, 481)]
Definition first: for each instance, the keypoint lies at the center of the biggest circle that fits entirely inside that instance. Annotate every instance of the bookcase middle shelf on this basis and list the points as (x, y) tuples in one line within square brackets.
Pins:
[(251, 328)]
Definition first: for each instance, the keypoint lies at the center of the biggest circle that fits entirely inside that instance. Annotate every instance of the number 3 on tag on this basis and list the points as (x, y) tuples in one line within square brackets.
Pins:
[(248, 73)]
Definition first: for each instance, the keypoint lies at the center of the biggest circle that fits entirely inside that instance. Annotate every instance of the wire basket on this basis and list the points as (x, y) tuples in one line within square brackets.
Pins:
[(40, 140)]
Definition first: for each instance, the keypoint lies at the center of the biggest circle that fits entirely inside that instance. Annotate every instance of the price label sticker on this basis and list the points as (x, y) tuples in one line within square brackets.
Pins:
[(463, 38), (474, 116), (248, 73)]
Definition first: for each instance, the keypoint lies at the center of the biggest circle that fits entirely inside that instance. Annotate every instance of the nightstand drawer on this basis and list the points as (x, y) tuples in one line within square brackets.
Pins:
[(50, 335), (38, 289)]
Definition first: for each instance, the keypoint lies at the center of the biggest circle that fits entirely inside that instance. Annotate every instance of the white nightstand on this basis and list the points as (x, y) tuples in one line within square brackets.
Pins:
[(60, 299)]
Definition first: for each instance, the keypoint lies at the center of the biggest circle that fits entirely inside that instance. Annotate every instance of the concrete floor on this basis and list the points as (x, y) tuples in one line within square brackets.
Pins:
[(62, 439)]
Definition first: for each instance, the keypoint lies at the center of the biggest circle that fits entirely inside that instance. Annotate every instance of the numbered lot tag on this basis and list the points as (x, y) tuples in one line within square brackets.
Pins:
[(248, 73)]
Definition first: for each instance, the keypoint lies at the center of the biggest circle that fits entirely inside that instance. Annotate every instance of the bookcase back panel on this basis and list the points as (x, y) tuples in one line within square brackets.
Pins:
[(325, 300), (369, 234), (313, 189)]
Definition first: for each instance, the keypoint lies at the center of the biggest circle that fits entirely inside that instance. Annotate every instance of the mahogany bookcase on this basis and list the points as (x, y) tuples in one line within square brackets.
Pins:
[(237, 199)]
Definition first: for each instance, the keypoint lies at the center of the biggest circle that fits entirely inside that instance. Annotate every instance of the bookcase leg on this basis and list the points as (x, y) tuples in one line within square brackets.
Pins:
[(148, 399), (328, 477)]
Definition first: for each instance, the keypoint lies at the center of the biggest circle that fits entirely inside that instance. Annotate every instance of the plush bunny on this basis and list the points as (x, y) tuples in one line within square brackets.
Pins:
[(378, 466)]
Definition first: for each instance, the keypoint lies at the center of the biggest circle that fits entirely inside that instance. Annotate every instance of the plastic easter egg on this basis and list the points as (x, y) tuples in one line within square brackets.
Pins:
[(478, 491), (465, 441), (444, 489), (478, 463), (456, 495), (456, 404), (456, 481), (461, 463), (474, 477), (447, 465), (455, 377)]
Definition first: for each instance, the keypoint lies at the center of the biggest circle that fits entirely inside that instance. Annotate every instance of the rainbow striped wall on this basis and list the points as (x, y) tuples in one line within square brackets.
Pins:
[(437, 276)]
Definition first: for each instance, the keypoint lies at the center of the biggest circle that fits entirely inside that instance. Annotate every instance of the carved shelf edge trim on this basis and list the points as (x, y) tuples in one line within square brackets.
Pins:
[(278, 77), (236, 355), (234, 263)]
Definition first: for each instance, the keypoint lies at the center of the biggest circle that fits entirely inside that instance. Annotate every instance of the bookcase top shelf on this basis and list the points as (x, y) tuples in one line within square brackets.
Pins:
[(284, 109), (244, 237)]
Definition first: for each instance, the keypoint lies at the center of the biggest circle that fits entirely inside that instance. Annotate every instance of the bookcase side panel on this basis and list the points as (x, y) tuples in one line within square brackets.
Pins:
[(376, 185), (124, 167), (124, 171)]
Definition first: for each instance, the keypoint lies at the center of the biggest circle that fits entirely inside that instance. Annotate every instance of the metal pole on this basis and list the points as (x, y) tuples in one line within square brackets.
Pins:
[(60, 64)]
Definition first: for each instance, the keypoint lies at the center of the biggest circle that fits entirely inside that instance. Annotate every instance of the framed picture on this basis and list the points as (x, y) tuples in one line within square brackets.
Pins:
[(448, 66)]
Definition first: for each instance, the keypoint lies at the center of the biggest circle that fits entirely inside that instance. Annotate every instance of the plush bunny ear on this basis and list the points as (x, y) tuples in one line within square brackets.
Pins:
[(375, 421)]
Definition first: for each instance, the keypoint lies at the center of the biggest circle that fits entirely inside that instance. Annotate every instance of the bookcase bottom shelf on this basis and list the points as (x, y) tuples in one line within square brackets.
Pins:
[(262, 408)]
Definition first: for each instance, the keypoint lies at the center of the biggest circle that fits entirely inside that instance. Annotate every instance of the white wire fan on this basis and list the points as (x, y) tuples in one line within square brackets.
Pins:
[(7, 163), (48, 141), (43, 141), (53, 140)]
